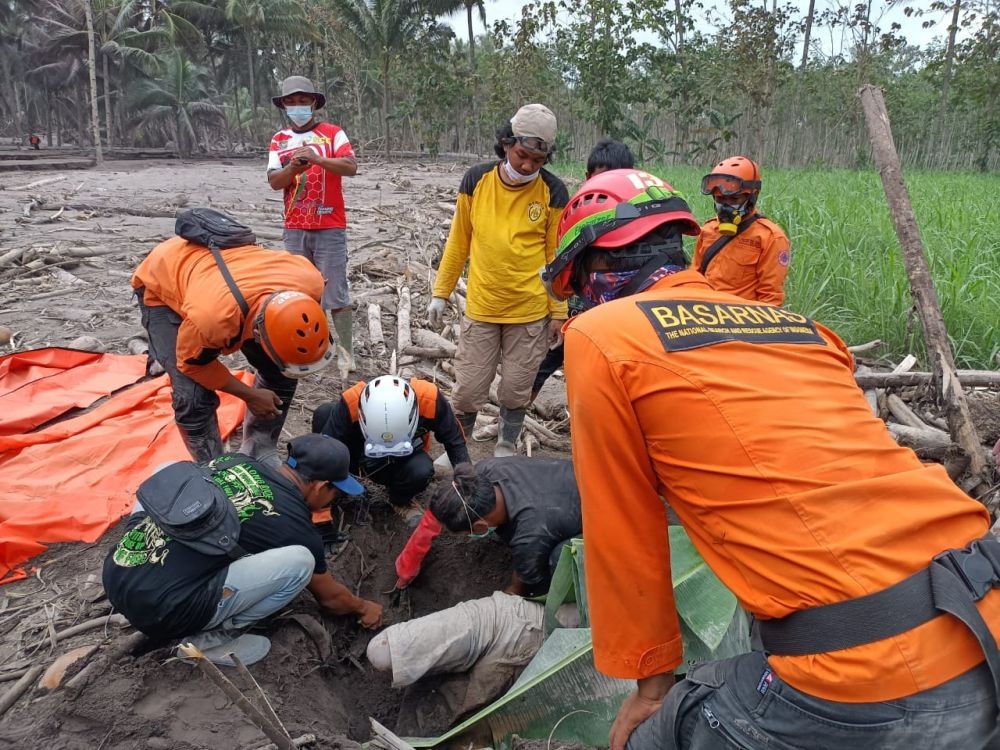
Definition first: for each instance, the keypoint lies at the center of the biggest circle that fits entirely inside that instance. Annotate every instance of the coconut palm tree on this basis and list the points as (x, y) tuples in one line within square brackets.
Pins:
[(177, 100), (384, 27)]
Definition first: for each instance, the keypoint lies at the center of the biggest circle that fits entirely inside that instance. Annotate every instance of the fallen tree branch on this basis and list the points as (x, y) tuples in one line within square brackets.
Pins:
[(925, 297), (254, 714), (862, 348), (904, 413), (36, 183), (20, 687), (300, 741)]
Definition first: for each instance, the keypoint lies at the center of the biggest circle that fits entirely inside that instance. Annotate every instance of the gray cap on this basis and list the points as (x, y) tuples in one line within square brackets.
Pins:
[(298, 85), (534, 121)]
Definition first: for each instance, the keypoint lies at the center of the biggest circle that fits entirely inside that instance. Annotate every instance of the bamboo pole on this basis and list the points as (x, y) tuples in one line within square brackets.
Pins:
[(960, 424)]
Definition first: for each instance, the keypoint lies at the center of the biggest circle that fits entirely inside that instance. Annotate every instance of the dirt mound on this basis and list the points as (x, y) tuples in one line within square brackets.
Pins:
[(156, 701)]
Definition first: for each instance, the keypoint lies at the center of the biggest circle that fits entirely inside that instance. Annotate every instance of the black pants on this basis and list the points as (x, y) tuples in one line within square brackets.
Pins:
[(404, 477), (194, 405), (552, 362)]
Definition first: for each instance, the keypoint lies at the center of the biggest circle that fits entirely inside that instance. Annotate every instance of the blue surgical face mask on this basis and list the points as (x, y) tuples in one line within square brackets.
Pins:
[(299, 114)]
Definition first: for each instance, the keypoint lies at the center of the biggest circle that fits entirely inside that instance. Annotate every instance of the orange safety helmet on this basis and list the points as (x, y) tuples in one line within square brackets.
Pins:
[(292, 329), (733, 176), (613, 210)]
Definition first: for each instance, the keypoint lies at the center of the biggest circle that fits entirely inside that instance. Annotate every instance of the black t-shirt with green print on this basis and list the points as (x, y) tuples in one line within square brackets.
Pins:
[(168, 590)]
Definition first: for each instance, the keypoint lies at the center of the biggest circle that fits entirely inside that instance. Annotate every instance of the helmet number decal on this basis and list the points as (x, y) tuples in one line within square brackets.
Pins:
[(643, 180)]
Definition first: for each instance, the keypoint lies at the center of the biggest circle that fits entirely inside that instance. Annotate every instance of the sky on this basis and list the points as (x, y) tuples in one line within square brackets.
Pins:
[(884, 16)]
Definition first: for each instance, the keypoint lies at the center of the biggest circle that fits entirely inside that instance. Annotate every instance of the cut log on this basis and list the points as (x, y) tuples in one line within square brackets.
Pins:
[(927, 443), (20, 687), (430, 340), (404, 338), (921, 285), (904, 413), (970, 378), (375, 329), (424, 352)]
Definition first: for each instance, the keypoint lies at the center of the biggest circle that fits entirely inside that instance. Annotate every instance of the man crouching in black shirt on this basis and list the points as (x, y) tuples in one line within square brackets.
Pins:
[(168, 590)]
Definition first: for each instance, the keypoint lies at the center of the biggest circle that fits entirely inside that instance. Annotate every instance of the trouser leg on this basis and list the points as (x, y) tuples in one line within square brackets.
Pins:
[(260, 436), (259, 585), (194, 405)]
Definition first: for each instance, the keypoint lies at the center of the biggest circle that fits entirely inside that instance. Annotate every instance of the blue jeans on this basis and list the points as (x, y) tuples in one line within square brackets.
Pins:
[(259, 585), (739, 704)]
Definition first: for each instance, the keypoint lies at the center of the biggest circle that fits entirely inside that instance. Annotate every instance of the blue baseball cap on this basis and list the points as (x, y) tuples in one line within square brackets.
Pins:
[(322, 458)]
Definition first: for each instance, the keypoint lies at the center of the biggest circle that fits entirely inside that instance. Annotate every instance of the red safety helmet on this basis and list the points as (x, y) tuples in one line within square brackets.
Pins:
[(612, 210), (733, 176), (292, 329)]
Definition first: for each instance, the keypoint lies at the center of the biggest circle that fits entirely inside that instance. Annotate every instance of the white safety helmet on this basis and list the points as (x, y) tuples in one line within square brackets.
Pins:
[(388, 415)]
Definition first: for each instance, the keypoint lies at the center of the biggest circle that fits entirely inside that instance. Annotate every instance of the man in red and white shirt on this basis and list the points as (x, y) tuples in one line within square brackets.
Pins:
[(307, 161)]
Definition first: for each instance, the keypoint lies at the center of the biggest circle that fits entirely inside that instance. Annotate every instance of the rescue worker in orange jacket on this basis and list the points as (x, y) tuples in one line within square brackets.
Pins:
[(387, 424), (740, 251), (192, 316), (746, 421)]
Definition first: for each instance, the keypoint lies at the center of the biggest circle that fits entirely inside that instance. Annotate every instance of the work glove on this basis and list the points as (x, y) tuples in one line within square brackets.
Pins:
[(435, 312)]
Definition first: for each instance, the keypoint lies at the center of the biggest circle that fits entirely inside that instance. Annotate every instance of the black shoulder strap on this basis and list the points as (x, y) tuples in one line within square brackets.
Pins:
[(231, 283), (720, 243)]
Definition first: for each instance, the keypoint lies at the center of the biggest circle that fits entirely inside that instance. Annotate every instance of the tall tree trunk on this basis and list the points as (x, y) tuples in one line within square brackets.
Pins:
[(48, 117), (239, 123), (385, 100), (949, 62), (808, 32), (679, 26), (15, 105), (92, 65), (469, 5), (252, 88), (109, 117)]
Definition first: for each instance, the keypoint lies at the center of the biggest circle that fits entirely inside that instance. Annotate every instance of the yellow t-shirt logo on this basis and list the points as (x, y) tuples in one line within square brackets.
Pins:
[(535, 210)]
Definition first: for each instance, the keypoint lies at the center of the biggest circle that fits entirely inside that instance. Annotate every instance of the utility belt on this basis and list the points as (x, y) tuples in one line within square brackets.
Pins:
[(952, 584)]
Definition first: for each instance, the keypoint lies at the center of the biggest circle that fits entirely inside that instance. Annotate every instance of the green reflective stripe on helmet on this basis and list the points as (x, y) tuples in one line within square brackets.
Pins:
[(652, 193)]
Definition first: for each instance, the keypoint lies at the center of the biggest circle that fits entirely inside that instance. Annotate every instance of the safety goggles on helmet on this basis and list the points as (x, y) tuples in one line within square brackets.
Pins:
[(654, 200), (384, 450), (532, 143), (727, 184)]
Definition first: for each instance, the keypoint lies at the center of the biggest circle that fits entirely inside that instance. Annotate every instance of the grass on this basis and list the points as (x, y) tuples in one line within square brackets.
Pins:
[(847, 270)]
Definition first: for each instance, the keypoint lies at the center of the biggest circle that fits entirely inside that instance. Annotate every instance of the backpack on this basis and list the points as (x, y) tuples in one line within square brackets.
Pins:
[(215, 230), (188, 506), (211, 228)]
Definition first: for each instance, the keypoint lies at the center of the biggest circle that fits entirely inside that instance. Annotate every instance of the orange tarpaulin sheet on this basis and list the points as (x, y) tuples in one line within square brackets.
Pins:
[(73, 480), (39, 385)]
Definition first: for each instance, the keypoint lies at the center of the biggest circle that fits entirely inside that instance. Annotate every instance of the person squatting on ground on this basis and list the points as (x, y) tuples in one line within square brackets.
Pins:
[(741, 251), (607, 154), (387, 425), (169, 590), (505, 225), (192, 316), (307, 161), (532, 504), (746, 420)]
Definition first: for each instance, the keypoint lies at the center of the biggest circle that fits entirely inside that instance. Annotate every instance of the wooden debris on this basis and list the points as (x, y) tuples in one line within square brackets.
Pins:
[(35, 184), (928, 443), (903, 413), (862, 348), (5, 335), (115, 651), (87, 344)]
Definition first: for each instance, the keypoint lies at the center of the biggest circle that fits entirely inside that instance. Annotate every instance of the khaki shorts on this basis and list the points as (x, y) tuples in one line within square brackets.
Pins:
[(519, 348)]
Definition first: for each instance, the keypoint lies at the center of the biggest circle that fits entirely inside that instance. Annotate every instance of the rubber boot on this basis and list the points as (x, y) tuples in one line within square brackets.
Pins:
[(260, 437), (468, 423), (511, 421), (203, 445), (343, 324)]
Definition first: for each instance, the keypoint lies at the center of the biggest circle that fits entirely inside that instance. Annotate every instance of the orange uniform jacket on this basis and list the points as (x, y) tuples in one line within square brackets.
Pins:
[(746, 419), (184, 277), (753, 265)]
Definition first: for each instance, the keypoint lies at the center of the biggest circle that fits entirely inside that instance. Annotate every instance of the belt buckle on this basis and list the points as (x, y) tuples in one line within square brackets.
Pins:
[(972, 567)]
